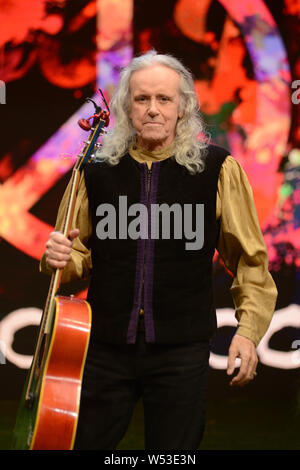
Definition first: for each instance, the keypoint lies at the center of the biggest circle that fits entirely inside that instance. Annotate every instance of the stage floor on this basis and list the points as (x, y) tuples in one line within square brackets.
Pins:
[(233, 424)]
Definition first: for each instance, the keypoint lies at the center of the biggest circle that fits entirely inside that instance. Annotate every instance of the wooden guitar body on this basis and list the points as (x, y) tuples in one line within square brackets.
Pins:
[(50, 422)]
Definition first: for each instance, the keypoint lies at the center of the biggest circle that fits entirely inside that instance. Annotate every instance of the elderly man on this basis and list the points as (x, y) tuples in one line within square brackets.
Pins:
[(151, 288)]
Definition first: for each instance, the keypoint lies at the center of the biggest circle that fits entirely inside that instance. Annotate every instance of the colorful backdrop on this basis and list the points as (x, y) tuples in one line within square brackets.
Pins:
[(245, 60)]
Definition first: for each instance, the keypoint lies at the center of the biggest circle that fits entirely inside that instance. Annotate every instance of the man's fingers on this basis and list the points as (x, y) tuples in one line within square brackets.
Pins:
[(73, 234), (58, 252), (241, 378), (56, 264), (58, 255), (246, 372), (241, 375), (59, 248), (231, 360), (59, 237), (57, 260), (244, 349)]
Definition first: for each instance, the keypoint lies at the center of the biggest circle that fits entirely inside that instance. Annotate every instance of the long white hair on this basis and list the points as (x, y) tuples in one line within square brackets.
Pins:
[(188, 149)]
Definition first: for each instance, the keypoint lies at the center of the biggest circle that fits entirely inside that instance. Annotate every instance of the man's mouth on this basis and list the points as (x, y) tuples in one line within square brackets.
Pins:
[(153, 123)]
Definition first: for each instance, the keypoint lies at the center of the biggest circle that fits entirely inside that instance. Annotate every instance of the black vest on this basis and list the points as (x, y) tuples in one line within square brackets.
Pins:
[(148, 259)]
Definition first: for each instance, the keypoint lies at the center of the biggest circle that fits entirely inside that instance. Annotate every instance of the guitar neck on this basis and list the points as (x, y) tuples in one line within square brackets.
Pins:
[(66, 228), (49, 310), (68, 218)]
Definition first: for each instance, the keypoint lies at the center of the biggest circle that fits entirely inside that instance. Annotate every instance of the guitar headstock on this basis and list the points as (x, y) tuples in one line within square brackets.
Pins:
[(100, 119)]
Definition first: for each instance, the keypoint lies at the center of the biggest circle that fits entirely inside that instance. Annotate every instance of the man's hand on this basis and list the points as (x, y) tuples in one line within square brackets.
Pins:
[(58, 248), (243, 348)]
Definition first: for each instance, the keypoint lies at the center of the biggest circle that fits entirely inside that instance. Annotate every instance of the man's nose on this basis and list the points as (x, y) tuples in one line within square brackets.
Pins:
[(153, 109)]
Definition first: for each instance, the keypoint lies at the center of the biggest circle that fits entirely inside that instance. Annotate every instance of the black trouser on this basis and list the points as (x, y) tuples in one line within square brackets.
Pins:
[(171, 379)]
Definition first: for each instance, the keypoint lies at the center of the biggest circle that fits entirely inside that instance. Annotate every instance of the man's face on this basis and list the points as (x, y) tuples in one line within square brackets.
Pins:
[(154, 101)]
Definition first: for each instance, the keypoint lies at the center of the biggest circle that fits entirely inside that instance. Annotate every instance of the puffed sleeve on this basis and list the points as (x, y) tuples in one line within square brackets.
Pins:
[(80, 263), (242, 248)]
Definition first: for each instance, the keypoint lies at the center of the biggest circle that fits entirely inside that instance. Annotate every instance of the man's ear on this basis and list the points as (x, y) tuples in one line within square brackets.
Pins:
[(180, 112)]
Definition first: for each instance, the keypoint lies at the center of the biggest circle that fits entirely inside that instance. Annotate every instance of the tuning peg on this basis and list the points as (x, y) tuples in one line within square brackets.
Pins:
[(84, 124)]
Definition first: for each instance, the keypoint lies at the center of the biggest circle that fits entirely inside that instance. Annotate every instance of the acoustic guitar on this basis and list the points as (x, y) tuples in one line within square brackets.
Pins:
[(49, 408)]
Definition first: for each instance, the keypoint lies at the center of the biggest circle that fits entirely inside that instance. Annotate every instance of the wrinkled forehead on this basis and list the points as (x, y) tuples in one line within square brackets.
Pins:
[(155, 79)]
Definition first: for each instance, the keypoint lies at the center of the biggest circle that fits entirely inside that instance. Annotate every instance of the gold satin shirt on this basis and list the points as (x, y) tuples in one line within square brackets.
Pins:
[(241, 244)]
